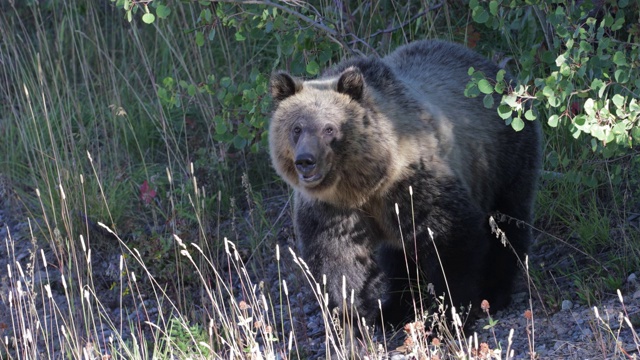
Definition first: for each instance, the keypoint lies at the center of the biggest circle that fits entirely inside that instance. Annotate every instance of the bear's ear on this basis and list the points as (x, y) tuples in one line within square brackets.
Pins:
[(283, 85), (351, 83)]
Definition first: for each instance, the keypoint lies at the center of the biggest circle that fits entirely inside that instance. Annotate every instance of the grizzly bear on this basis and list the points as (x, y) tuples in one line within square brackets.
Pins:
[(352, 142)]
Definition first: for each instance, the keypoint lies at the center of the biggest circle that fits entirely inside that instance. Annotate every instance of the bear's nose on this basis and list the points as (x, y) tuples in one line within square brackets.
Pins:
[(305, 163)]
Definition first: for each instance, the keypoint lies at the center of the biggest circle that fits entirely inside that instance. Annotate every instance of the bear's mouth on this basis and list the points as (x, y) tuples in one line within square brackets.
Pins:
[(311, 180)]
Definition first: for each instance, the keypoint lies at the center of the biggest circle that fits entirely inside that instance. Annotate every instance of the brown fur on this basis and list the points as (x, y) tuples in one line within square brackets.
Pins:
[(352, 142)]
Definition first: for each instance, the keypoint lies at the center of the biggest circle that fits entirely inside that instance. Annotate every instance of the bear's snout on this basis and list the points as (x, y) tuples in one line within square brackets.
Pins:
[(305, 163)]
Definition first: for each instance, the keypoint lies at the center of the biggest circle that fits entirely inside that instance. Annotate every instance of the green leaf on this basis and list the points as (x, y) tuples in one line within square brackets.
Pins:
[(239, 142), (635, 133), (610, 137), (597, 131), (163, 11), (618, 100), (553, 120), (243, 131), (488, 101), (199, 39), (477, 76), (191, 90), (221, 126), (529, 115), (504, 111), (622, 75), (148, 18), (619, 128), (547, 57), (547, 91), (500, 75), (596, 84), (225, 82), (561, 59), (510, 100), (485, 86), (602, 90), (575, 132), (480, 15), (207, 15), (471, 89), (517, 124), (608, 20), (617, 25), (619, 58), (240, 36), (589, 107), (313, 68), (493, 7)]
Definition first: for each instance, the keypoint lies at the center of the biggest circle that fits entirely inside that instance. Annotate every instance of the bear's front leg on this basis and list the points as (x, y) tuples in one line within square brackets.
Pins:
[(340, 244), (452, 237)]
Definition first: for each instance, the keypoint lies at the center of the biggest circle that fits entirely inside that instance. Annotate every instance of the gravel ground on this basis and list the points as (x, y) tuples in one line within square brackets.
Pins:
[(571, 332), (574, 331)]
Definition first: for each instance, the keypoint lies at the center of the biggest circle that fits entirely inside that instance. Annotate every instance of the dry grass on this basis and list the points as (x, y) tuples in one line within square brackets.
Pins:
[(83, 129)]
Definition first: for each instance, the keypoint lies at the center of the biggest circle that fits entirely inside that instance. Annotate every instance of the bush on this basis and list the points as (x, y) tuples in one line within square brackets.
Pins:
[(577, 66)]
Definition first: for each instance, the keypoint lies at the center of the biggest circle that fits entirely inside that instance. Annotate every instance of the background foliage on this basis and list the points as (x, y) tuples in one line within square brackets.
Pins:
[(151, 117)]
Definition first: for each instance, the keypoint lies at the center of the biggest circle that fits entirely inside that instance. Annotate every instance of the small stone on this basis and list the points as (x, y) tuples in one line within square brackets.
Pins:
[(560, 329), (310, 309), (632, 278), (636, 295), (567, 304), (542, 353)]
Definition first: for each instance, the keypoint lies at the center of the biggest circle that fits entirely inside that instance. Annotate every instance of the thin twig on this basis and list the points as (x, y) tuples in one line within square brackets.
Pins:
[(331, 33), (413, 18)]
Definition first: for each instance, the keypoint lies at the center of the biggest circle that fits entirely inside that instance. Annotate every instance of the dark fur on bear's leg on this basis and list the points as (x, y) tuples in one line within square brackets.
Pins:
[(451, 236), (343, 250), (402, 297), (514, 217)]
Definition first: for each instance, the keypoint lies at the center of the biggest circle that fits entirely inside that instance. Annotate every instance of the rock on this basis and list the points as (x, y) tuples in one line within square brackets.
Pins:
[(586, 333), (567, 305), (636, 295), (632, 278)]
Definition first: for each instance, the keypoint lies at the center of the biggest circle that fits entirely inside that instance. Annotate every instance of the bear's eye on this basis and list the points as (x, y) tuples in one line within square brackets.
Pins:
[(297, 130)]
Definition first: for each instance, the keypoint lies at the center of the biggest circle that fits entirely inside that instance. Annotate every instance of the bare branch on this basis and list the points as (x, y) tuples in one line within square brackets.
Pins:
[(331, 33), (413, 18)]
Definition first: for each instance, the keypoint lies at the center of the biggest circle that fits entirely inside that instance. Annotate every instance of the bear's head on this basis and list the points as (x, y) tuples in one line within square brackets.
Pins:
[(327, 139)]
